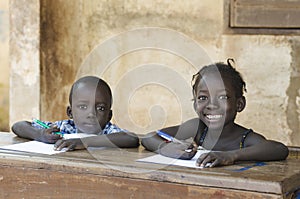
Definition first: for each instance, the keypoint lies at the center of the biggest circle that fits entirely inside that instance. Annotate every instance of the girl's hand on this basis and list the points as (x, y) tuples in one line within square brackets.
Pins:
[(47, 135), (69, 144), (185, 151), (216, 158)]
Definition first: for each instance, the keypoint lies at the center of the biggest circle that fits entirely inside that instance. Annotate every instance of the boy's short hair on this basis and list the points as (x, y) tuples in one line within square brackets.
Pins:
[(90, 79)]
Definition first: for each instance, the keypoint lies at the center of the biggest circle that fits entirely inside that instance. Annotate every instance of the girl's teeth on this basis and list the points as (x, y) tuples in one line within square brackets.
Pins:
[(213, 116)]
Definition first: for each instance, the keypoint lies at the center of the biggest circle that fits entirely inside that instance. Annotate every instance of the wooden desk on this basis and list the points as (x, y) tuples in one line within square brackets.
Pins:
[(114, 173)]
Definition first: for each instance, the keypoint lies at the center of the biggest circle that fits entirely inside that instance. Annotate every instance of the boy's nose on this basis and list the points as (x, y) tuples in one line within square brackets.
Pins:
[(91, 113)]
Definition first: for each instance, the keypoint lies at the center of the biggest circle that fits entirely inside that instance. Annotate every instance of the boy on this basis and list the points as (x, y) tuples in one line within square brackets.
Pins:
[(90, 113)]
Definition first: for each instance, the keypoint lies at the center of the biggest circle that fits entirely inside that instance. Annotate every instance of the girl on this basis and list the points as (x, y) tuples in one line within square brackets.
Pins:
[(218, 97)]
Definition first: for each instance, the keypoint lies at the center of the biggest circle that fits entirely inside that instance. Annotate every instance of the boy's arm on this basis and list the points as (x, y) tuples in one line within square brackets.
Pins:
[(24, 129), (120, 139)]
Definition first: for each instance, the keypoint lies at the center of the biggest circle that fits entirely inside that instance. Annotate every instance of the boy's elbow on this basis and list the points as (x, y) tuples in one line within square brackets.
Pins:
[(16, 128), (133, 140)]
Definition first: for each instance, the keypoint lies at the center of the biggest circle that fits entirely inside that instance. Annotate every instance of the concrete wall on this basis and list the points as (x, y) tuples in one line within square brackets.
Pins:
[(4, 63), (147, 51)]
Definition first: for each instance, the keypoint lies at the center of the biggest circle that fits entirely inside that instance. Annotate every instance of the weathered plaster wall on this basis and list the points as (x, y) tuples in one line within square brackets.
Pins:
[(87, 24), (24, 59), (4, 75), (149, 79)]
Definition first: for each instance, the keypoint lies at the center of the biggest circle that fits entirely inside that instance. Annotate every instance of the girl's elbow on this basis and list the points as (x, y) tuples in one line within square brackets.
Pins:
[(285, 152), (147, 141), (282, 150), (144, 142)]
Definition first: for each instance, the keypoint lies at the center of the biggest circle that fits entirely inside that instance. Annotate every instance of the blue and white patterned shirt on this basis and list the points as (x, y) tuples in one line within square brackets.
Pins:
[(68, 127)]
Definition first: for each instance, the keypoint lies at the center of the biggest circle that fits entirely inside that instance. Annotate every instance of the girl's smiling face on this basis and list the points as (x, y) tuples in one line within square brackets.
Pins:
[(215, 100)]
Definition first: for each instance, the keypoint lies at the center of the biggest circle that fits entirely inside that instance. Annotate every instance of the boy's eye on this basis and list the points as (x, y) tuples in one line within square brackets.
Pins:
[(100, 108), (223, 97), (82, 106)]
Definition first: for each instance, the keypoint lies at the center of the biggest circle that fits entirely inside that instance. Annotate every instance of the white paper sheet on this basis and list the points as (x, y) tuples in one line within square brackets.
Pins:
[(77, 135), (159, 159), (40, 147), (33, 147)]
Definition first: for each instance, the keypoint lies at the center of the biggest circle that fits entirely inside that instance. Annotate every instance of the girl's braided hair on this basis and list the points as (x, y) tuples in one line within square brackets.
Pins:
[(225, 70)]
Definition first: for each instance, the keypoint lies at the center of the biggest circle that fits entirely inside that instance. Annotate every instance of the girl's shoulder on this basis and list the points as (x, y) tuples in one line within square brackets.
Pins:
[(248, 131), (250, 137)]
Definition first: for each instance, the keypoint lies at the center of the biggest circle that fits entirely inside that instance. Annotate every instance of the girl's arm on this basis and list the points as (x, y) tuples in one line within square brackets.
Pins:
[(187, 130), (265, 150), (153, 142), (25, 130), (120, 139), (257, 148)]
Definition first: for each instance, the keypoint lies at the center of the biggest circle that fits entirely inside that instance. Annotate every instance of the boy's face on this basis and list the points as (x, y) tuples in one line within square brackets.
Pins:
[(90, 109), (215, 101)]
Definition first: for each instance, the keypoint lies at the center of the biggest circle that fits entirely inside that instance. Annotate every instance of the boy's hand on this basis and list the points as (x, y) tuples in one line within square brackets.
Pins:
[(69, 144), (185, 151), (47, 135), (216, 158)]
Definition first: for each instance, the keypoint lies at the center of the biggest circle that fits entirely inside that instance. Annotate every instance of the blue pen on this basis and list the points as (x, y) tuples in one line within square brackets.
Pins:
[(42, 124), (168, 137)]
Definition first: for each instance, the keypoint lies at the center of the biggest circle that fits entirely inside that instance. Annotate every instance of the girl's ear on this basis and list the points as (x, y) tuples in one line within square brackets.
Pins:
[(195, 104), (241, 104), (69, 112)]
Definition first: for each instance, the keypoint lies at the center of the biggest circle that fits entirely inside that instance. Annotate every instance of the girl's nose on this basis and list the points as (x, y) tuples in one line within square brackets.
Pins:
[(212, 104)]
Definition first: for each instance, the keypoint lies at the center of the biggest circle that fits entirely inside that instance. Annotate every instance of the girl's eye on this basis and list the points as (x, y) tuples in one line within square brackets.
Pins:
[(223, 97), (202, 98), (100, 108)]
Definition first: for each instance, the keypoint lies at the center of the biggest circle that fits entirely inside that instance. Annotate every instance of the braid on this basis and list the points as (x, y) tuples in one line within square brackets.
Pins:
[(226, 70)]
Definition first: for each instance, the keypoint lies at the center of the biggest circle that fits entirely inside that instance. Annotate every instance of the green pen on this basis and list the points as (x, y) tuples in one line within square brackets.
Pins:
[(42, 124)]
